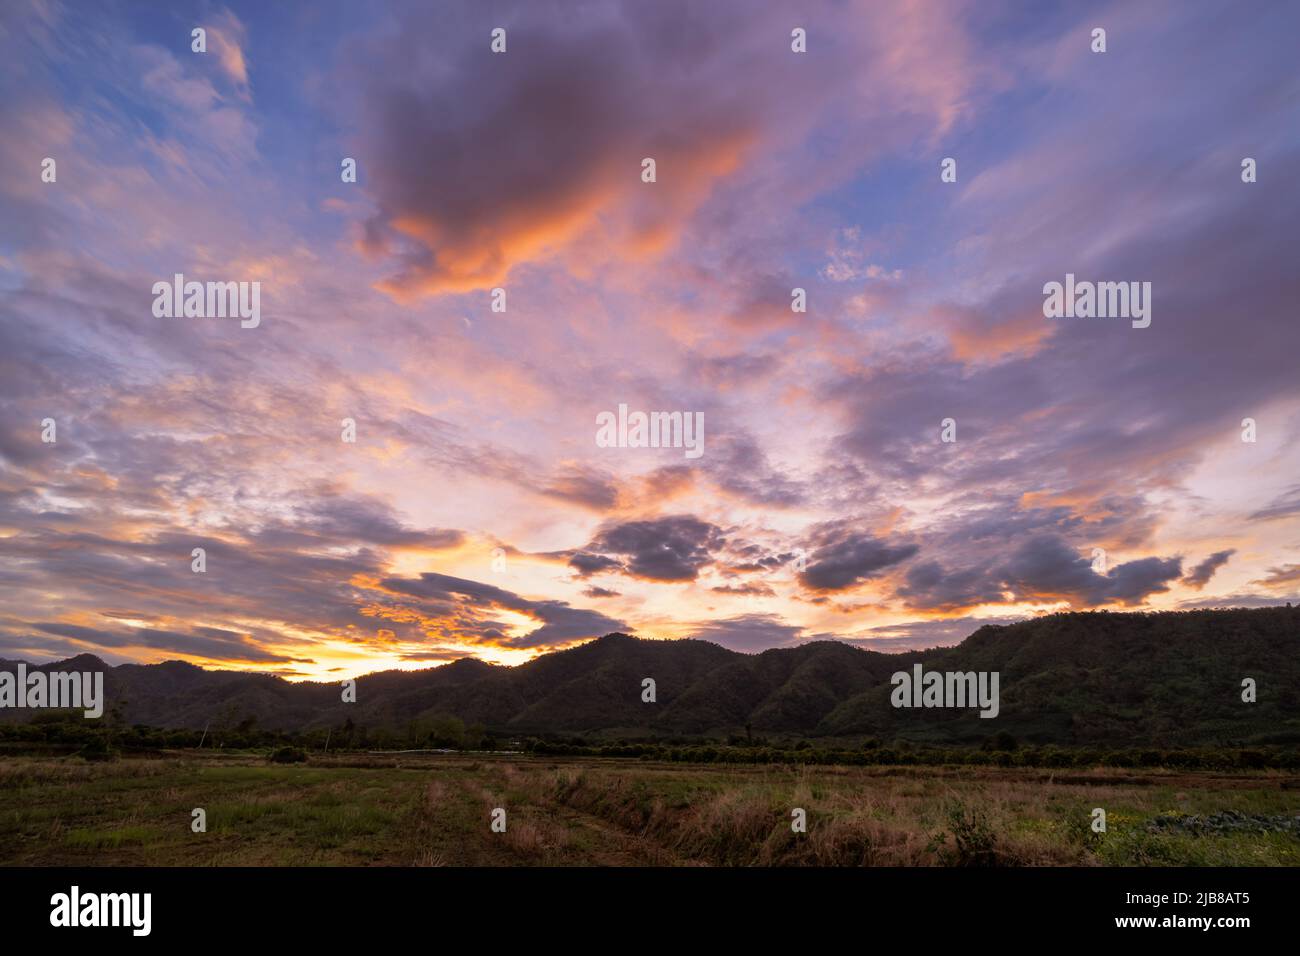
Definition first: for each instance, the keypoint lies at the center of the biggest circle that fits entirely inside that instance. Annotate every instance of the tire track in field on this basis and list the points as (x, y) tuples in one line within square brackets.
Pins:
[(584, 839)]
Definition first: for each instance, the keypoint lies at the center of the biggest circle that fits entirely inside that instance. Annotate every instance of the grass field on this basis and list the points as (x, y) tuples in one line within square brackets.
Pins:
[(435, 810)]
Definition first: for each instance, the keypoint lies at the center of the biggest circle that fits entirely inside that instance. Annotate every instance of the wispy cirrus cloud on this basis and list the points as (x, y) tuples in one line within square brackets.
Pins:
[(474, 513)]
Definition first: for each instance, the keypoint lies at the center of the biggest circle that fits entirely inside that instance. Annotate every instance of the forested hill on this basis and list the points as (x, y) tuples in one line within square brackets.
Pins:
[(1093, 679)]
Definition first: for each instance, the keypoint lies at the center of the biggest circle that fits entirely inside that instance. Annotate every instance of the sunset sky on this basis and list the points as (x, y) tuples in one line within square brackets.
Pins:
[(475, 514)]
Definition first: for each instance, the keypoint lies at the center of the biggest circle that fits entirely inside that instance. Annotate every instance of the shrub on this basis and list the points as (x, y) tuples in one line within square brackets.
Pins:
[(289, 755), (98, 748), (974, 843)]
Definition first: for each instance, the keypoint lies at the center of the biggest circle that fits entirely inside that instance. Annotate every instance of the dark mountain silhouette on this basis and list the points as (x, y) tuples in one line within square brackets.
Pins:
[(1104, 679)]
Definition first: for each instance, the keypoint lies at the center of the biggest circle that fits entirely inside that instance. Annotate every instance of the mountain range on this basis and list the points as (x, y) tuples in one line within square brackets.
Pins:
[(1086, 678)]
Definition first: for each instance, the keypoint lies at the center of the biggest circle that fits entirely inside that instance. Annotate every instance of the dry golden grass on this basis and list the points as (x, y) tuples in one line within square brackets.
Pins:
[(436, 811)]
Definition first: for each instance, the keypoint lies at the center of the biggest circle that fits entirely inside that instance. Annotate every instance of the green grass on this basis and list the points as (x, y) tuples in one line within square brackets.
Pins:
[(111, 839)]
